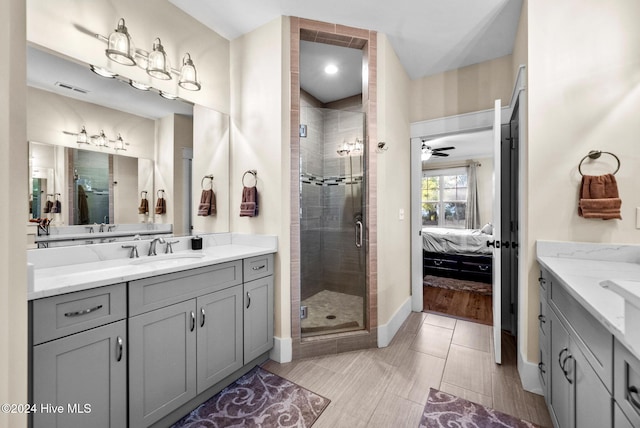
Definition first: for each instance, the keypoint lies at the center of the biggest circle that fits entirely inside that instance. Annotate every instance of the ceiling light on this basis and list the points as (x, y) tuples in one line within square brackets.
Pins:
[(188, 75), (119, 144), (100, 140), (120, 47), (331, 69), (158, 63), (102, 72), (167, 95), (138, 85)]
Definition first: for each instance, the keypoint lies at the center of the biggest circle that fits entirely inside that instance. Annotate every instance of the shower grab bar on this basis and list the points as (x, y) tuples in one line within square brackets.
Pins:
[(359, 234)]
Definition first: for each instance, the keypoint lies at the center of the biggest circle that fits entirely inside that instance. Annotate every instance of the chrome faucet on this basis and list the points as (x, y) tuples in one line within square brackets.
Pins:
[(102, 225), (169, 249), (134, 250), (152, 245)]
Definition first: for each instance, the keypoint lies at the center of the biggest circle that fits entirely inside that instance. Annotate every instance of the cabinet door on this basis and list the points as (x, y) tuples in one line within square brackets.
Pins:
[(219, 336), (559, 387), (258, 317), (87, 368), (162, 362), (593, 403)]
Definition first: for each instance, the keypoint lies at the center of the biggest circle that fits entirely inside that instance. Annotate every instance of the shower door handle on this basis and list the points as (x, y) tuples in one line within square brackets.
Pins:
[(359, 228)]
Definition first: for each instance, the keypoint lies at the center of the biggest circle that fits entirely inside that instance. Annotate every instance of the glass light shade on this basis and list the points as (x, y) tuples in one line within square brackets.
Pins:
[(119, 144), (344, 149), (103, 72), (158, 64), (188, 75), (82, 137), (120, 48), (357, 147), (101, 140), (139, 86), (167, 95), (426, 155)]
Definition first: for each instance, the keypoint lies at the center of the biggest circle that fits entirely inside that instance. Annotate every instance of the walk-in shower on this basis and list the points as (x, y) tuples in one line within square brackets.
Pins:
[(332, 233)]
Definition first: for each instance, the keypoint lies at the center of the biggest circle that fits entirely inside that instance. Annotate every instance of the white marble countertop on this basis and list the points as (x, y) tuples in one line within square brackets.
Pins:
[(51, 279), (583, 269)]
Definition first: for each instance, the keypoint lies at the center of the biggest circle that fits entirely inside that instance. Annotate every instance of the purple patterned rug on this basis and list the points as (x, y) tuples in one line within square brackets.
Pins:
[(258, 399), (446, 411)]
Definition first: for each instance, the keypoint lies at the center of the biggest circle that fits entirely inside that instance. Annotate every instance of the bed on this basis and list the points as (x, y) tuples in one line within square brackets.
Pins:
[(457, 253)]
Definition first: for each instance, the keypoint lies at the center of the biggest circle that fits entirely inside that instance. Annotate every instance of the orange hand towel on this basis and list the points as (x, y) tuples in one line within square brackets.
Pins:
[(207, 203), (249, 205), (599, 197)]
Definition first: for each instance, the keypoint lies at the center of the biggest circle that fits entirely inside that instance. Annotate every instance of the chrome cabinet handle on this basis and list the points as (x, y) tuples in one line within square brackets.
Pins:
[(259, 267), (193, 321), (560, 358), (119, 345), (566, 372), (633, 390), (359, 234), (249, 299), (202, 317), (542, 319), (83, 312)]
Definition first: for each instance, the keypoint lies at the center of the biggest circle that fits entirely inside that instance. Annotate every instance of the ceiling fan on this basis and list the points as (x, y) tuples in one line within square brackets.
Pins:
[(427, 151)]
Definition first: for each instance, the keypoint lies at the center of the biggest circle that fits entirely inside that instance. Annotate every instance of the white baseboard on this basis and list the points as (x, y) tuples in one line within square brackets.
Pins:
[(282, 351), (529, 376), (387, 331)]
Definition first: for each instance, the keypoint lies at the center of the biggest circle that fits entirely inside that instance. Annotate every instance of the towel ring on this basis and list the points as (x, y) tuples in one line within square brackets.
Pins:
[(210, 177), (595, 154), (144, 194), (158, 193), (255, 176)]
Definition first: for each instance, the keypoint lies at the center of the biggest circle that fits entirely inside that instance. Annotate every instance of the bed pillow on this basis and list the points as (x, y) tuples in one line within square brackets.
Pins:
[(487, 229)]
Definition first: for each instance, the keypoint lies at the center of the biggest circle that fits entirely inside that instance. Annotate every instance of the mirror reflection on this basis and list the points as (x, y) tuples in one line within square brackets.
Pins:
[(74, 183)]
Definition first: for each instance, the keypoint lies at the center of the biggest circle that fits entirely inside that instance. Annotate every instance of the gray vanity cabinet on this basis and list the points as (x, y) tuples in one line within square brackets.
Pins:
[(219, 336), (84, 375), (162, 362), (258, 317), (559, 399)]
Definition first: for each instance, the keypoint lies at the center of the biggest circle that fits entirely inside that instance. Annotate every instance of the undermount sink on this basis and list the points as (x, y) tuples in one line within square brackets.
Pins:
[(167, 259)]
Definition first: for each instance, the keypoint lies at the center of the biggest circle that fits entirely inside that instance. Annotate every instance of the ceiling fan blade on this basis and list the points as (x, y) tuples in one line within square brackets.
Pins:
[(69, 133), (444, 155), (443, 148)]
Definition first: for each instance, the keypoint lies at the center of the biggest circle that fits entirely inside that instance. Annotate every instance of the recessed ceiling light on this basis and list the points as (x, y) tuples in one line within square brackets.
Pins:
[(331, 69), (103, 72)]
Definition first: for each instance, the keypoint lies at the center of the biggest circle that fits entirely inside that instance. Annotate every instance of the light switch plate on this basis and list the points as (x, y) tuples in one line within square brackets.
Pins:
[(401, 214)]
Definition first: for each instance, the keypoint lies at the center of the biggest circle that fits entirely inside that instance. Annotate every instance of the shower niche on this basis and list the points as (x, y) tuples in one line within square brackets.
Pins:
[(332, 252)]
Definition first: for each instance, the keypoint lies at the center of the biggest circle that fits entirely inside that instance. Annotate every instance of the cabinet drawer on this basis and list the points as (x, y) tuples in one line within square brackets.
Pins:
[(543, 370), (59, 316), (619, 419), (258, 267), (441, 263), (476, 267), (544, 282), (543, 324), (627, 383), (595, 340), (157, 292)]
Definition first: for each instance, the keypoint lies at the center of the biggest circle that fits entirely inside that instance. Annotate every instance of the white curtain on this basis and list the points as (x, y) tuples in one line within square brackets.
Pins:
[(472, 212)]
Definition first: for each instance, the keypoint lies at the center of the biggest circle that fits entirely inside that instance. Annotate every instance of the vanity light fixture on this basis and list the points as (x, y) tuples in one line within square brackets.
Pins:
[(119, 144), (120, 47), (100, 140), (103, 72), (156, 63), (188, 75), (158, 66)]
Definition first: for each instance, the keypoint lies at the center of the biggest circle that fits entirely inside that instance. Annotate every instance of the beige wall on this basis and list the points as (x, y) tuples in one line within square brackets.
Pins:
[(260, 141), (520, 53), (464, 90), (125, 193), (584, 94), (13, 173), (394, 253), (55, 24), (182, 139)]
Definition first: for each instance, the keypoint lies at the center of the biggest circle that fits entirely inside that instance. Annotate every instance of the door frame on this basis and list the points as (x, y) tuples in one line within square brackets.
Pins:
[(465, 123)]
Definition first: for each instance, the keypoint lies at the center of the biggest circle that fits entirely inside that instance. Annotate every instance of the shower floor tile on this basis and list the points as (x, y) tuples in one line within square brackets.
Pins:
[(330, 311)]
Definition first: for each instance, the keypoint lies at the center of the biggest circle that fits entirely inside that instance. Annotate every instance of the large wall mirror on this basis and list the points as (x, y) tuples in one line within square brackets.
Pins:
[(155, 147)]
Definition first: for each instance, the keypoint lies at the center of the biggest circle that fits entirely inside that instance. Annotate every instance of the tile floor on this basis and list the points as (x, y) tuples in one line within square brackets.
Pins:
[(388, 387)]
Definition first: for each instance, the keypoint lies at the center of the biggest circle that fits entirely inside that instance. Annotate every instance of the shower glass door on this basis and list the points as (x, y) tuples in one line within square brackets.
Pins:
[(332, 233)]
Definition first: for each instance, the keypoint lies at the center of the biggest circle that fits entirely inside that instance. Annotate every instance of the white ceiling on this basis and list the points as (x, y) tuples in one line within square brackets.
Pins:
[(468, 145), (429, 36)]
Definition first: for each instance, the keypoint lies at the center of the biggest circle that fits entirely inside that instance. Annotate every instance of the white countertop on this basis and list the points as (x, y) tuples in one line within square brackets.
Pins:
[(582, 278), (54, 280)]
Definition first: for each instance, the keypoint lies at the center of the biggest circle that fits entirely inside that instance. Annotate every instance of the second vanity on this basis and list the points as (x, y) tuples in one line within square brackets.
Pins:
[(589, 360), (138, 342)]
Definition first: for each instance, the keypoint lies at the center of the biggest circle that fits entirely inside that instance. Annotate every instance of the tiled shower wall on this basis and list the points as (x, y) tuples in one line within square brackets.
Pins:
[(331, 198)]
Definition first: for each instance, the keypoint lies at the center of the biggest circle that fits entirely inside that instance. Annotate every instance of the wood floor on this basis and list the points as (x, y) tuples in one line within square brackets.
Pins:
[(459, 304), (388, 387)]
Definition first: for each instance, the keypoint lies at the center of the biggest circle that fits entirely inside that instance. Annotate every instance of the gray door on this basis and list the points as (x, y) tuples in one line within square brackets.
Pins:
[(162, 362), (258, 317), (88, 368), (219, 336)]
